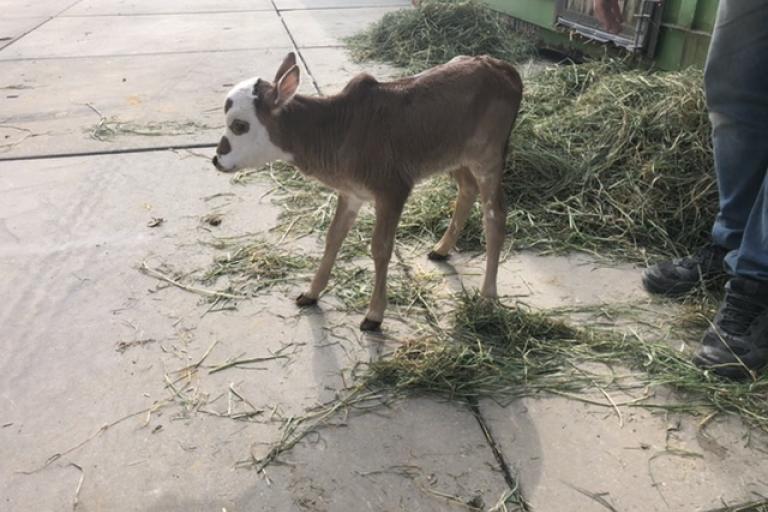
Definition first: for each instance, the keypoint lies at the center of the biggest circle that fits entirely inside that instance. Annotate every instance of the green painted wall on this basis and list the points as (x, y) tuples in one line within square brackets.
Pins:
[(683, 38)]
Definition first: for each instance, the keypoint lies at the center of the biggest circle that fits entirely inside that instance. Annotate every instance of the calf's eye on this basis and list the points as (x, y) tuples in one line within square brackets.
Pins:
[(239, 127)]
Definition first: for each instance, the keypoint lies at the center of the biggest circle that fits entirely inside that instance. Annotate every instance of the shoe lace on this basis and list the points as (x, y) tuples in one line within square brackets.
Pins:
[(738, 314), (705, 257)]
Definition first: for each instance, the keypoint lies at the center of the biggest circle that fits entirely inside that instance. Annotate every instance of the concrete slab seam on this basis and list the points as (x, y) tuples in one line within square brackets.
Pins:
[(172, 13), (339, 8), (130, 55), (146, 149), (296, 47), (40, 25)]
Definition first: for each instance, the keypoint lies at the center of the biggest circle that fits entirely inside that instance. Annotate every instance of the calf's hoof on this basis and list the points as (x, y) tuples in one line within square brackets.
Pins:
[(303, 301), (370, 325), (436, 256)]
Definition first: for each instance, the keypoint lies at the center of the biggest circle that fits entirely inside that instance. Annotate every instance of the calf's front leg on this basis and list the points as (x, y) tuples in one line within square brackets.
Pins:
[(388, 211), (343, 220), (464, 203)]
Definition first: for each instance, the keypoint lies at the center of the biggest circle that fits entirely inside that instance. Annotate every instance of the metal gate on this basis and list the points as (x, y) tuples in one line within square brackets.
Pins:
[(639, 31)]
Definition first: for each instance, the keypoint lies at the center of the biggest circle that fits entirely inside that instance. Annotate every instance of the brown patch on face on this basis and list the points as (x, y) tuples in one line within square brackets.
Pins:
[(224, 147), (265, 94), (264, 107), (227, 105)]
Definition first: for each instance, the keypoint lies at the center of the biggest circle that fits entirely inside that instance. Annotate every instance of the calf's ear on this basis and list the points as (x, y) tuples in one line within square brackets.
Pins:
[(287, 86), (288, 62)]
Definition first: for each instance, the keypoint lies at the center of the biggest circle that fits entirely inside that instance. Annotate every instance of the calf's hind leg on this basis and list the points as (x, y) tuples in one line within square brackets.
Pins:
[(494, 220), (464, 201), (343, 220)]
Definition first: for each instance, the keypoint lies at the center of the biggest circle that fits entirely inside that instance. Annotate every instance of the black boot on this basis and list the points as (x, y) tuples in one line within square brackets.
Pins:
[(737, 342), (681, 275)]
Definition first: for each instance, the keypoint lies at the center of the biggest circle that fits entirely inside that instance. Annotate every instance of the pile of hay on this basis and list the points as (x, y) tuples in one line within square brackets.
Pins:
[(435, 32), (604, 158), (621, 160)]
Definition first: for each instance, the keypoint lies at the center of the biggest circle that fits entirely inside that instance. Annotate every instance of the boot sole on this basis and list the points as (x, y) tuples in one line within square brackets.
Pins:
[(665, 287), (729, 371)]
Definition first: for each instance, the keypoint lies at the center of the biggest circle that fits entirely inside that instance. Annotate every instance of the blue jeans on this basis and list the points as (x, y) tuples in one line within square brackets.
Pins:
[(736, 83)]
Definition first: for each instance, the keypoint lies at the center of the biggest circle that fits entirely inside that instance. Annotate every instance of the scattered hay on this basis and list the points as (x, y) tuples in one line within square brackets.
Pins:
[(123, 346), (251, 265), (13, 136), (435, 32), (108, 129), (307, 208), (499, 351), (353, 286), (166, 275), (752, 506), (489, 351)]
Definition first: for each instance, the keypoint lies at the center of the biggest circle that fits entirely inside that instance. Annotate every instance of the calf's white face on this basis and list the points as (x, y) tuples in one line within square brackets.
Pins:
[(245, 143)]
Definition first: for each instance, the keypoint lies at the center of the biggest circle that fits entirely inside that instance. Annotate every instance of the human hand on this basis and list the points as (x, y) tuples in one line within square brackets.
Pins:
[(609, 14)]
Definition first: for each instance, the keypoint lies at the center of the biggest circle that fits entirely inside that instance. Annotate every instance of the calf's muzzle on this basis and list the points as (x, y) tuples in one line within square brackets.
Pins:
[(222, 149)]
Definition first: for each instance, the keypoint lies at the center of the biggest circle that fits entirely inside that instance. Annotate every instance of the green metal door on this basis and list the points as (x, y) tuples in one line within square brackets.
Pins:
[(680, 28), (639, 29)]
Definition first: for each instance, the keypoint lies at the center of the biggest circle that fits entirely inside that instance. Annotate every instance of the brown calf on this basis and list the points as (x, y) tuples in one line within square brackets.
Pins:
[(375, 140)]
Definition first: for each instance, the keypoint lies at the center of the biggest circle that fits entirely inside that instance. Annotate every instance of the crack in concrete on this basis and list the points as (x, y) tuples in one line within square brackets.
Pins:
[(509, 478)]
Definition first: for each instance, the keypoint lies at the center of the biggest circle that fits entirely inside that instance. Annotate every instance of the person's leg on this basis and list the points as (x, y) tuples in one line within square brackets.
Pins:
[(737, 341), (736, 82), (750, 260), (741, 160)]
